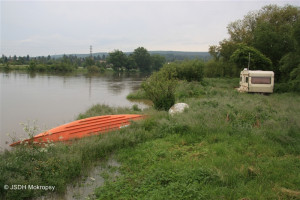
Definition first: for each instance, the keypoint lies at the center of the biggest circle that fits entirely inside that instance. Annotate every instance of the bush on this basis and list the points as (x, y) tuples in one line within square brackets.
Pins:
[(61, 67), (139, 94), (220, 69), (93, 69), (291, 86), (190, 70), (32, 66), (160, 88), (213, 69), (41, 68)]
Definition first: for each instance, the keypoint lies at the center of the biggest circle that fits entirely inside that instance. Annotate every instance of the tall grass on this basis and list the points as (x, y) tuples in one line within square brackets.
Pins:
[(59, 164), (227, 145)]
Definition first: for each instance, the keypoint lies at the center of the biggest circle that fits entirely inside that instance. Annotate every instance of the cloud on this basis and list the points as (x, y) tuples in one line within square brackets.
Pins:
[(56, 27)]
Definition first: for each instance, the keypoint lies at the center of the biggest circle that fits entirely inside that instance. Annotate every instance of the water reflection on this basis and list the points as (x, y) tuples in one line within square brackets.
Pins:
[(116, 88)]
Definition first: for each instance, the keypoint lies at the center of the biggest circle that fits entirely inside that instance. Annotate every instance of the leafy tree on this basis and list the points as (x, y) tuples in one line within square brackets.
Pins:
[(241, 30), (288, 63), (296, 34), (4, 59), (157, 62), (214, 51), (89, 62), (272, 30), (226, 48), (142, 58), (190, 70), (130, 64), (270, 34), (257, 60), (274, 42), (21, 60), (32, 65), (118, 59)]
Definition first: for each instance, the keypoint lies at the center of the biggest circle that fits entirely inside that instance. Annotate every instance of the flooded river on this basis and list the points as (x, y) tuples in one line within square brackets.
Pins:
[(53, 100)]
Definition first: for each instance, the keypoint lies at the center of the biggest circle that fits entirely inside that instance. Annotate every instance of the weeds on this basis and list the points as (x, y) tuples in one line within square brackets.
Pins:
[(137, 95), (226, 146)]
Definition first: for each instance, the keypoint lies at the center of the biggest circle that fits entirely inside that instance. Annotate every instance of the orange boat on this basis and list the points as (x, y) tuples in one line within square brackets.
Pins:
[(83, 128)]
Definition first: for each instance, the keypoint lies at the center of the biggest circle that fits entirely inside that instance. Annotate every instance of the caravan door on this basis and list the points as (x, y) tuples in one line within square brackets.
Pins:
[(244, 81)]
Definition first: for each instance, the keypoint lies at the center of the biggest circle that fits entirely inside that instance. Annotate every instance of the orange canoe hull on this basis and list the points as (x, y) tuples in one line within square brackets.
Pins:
[(83, 128)]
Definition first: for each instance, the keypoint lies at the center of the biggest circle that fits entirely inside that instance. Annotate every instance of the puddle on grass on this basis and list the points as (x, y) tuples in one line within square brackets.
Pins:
[(84, 187)]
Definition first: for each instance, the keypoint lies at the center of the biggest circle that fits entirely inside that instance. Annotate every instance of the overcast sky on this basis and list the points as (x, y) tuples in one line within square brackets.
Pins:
[(41, 28)]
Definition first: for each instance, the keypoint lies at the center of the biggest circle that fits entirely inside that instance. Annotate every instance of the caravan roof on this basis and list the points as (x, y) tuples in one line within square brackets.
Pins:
[(257, 72)]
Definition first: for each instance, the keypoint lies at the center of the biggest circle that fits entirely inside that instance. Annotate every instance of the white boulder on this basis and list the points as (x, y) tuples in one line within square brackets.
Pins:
[(178, 108)]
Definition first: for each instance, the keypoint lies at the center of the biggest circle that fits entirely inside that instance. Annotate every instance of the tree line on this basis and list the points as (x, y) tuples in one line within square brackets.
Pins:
[(48, 63), (139, 60), (271, 36)]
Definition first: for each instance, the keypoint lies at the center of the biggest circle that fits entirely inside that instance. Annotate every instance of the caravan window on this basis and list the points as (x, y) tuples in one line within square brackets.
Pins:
[(261, 80)]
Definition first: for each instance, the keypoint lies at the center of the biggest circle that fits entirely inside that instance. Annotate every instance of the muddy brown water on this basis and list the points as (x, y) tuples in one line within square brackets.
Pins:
[(55, 99)]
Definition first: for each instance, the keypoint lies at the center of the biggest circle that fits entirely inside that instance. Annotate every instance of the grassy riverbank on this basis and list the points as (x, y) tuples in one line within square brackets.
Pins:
[(226, 146)]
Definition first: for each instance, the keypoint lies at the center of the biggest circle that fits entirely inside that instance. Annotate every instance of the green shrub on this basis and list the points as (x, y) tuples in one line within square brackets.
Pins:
[(41, 68), (93, 69), (160, 88), (291, 86), (190, 70), (61, 67), (138, 94), (220, 69), (102, 69), (136, 108), (32, 66)]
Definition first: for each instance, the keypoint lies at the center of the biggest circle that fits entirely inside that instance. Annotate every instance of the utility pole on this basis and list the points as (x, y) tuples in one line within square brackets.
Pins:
[(91, 51), (249, 61)]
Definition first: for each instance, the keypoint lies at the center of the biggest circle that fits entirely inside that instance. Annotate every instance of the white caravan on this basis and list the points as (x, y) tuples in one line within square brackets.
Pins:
[(256, 81)]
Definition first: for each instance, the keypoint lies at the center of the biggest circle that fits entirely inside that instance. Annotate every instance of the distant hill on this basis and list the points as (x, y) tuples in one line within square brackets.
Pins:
[(169, 55), (181, 55), (80, 55)]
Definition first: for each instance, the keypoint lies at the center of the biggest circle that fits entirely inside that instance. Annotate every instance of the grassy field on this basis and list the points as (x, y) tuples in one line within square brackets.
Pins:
[(227, 145)]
